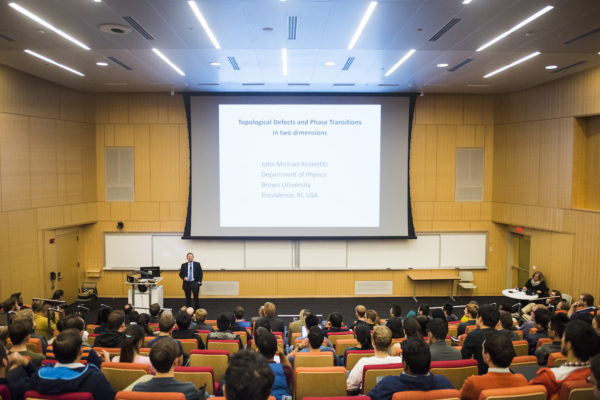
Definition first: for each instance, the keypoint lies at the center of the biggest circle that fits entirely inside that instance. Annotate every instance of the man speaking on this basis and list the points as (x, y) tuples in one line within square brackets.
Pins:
[(191, 273)]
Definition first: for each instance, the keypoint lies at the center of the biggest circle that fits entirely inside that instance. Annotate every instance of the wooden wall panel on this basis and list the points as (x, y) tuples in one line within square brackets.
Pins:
[(43, 162), (15, 166)]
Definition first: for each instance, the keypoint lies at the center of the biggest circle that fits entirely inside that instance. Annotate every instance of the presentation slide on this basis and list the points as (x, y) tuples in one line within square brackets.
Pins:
[(299, 166), (303, 165)]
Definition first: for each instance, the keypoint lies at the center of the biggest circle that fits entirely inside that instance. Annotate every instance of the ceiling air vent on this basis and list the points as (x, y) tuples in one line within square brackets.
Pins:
[(460, 64), (120, 63), (349, 62), (292, 25), (583, 35), (7, 38), (568, 67), (444, 29), (233, 63), (135, 25)]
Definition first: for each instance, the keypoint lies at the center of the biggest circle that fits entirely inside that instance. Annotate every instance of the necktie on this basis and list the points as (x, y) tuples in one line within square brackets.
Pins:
[(190, 275)]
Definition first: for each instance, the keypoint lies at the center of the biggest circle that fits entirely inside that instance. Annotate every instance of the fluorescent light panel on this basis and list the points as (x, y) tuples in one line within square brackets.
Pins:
[(46, 24), (204, 24), (51, 61), (519, 61), (362, 24), (165, 59), (516, 27), (467, 1), (284, 61), (399, 63)]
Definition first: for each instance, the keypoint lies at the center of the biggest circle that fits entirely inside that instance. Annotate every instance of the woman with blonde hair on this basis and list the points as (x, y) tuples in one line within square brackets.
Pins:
[(536, 285)]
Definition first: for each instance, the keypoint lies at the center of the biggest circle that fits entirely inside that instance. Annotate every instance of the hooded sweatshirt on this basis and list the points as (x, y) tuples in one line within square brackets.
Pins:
[(404, 382), (110, 338), (72, 378)]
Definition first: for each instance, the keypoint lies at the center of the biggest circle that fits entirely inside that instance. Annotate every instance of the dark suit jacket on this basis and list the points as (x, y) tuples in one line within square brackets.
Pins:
[(183, 273)]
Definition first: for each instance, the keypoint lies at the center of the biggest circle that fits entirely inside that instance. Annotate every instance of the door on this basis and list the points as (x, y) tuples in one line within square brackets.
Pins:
[(67, 264), (524, 247)]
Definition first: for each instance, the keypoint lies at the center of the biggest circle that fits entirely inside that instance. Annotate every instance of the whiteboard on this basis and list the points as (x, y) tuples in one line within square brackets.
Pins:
[(167, 250)]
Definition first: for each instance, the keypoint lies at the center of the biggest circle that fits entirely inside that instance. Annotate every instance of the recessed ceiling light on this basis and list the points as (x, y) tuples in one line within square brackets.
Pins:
[(97, 1), (215, 63), (165, 59), (330, 63), (46, 24), (443, 65), (101, 64), (284, 60), (400, 62), (363, 23), (204, 24), (551, 67), (49, 60), (519, 61), (467, 1), (516, 27)]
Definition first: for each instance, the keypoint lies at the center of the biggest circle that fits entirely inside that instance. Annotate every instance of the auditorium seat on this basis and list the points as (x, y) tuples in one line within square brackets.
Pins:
[(352, 357), (144, 351), (243, 336), (189, 345), (33, 395), (278, 335), (531, 392), (149, 396), (343, 344), (335, 336), (4, 393), (576, 390), (526, 366), (470, 328), (339, 398), (319, 382), (212, 322), (279, 345), (452, 329), (112, 351), (91, 328), (92, 338), (461, 339), (217, 359), (203, 335), (542, 341), (232, 346), (148, 339), (521, 347), (199, 376), (520, 333), (556, 359), (457, 371), (322, 359), (371, 372), (442, 394), (120, 375)]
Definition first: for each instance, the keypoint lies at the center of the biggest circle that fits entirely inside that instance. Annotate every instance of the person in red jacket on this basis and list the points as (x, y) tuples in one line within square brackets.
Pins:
[(579, 344)]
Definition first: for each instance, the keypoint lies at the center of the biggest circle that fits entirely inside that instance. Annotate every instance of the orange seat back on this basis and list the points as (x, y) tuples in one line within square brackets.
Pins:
[(322, 359), (442, 394), (532, 392), (120, 375), (319, 382), (149, 396)]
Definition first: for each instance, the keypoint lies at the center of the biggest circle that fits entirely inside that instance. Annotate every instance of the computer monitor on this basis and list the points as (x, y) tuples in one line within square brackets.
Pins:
[(155, 271)]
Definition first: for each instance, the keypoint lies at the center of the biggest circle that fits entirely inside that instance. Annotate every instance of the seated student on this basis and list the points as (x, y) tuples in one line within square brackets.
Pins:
[(310, 321), (15, 371), (527, 326), (313, 345), (584, 305), (130, 347), (283, 371), (449, 312), (183, 331), (200, 317), (579, 344), (416, 360), (550, 303), (69, 374), (363, 336), (144, 321), (163, 356), (127, 309), (556, 328), (113, 335), (395, 325), (296, 326), (270, 315), (239, 324), (594, 378), (87, 353), (44, 326), (508, 327), (437, 313), (382, 339), (360, 312), (165, 325), (154, 312), (498, 353), (423, 322), (440, 350), (223, 332), (596, 323), (412, 330), (471, 314), (372, 319), (102, 319), (334, 324), (26, 314), (465, 316), (487, 319), (423, 310), (541, 318), (19, 333), (248, 376)]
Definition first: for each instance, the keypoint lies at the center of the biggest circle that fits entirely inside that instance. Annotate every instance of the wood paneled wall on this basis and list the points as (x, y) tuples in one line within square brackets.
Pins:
[(47, 174), (539, 156)]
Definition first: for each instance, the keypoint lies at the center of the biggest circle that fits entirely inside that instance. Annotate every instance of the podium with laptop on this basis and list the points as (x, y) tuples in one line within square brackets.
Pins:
[(145, 288)]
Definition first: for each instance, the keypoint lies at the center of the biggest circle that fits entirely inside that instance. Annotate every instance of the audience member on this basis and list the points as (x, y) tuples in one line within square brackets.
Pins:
[(102, 320), (239, 321), (165, 325), (360, 311), (541, 319), (487, 319), (26, 314), (183, 331), (556, 328), (395, 326), (296, 326), (283, 372), (154, 312), (248, 377), (423, 310), (200, 317), (584, 305), (372, 319), (594, 377), (130, 347), (334, 323), (507, 325), (58, 294), (579, 344), (465, 316), (363, 336), (471, 310), (19, 333), (163, 357), (314, 345), (423, 322), (144, 322), (437, 313), (381, 341), (440, 350), (87, 353), (44, 320), (416, 361), (395, 312), (498, 353), (127, 309), (276, 323), (536, 285), (596, 323), (527, 326), (69, 374), (15, 372), (113, 335), (223, 332), (449, 312)]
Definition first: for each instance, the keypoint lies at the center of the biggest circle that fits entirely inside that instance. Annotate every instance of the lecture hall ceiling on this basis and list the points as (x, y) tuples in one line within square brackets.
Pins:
[(252, 34)]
